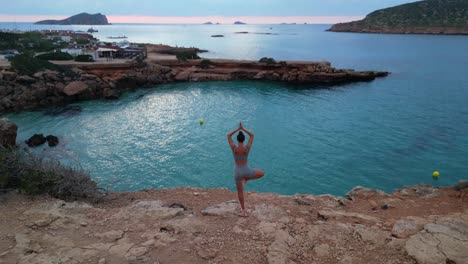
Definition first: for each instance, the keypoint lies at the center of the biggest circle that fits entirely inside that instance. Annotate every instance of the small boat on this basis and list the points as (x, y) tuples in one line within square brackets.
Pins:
[(117, 37), (92, 30)]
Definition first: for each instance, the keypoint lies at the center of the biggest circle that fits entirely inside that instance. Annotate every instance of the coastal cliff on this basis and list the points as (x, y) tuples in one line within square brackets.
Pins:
[(446, 17), (80, 19), (418, 224), (93, 81)]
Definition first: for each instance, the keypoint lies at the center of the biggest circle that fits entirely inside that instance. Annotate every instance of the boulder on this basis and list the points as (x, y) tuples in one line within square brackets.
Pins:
[(36, 140), (222, 209), (360, 192), (75, 88), (8, 132), (111, 94), (406, 228), (443, 242), (9, 76), (52, 140), (25, 79)]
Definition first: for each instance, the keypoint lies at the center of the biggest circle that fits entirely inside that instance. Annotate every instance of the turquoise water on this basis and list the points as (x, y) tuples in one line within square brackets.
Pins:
[(384, 134)]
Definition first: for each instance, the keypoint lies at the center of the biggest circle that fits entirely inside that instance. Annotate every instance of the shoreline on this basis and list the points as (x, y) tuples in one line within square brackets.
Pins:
[(109, 81), (191, 225)]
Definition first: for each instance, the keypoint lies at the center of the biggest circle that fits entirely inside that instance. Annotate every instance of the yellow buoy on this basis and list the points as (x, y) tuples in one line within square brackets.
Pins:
[(435, 174), (201, 121)]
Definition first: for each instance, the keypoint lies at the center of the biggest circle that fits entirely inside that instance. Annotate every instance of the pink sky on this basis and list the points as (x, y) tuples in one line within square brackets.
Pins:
[(199, 19)]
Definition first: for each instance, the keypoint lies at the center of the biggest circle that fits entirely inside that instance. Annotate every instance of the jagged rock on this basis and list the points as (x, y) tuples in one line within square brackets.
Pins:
[(138, 260), (111, 94), (326, 214), (222, 209), (360, 192), (121, 248), (443, 242), (461, 185), (8, 132), (153, 208), (406, 228), (52, 140), (25, 79), (422, 190), (75, 88), (322, 250), (278, 251), (270, 213), (9, 76), (137, 251), (372, 234), (111, 236), (207, 253), (36, 140)]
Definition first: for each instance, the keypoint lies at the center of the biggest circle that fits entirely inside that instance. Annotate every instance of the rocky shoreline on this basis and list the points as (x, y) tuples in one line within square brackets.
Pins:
[(358, 28), (96, 81), (417, 224)]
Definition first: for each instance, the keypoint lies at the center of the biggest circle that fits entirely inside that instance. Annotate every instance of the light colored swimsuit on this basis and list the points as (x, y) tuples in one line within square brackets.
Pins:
[(242, 171)]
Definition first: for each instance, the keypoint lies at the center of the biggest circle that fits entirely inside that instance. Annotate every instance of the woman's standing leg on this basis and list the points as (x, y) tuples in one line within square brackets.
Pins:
[(240, 195)]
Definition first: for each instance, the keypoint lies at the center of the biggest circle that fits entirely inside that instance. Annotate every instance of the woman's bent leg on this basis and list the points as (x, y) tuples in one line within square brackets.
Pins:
[(258, 174)]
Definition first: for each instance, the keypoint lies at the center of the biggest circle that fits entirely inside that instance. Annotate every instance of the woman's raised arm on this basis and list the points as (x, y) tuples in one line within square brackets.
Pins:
[(229, 136), (251, 138)]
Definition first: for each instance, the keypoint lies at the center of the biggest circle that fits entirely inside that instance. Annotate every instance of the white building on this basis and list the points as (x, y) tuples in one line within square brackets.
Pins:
[(76, 52)]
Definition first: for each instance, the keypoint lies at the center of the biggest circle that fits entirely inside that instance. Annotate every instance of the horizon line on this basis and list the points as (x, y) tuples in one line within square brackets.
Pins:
[(5, 18)]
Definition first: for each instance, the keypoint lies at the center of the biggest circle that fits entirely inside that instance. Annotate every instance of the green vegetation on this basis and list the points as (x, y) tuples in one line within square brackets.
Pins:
[(187, 55), (84, 58), (82, 41), (269, 61), (58, 55), (430, 13), (27, 64), (22, 170), (28, 41)]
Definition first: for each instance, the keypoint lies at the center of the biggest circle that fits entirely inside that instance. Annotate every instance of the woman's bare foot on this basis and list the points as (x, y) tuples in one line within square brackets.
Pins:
[(243, 213)]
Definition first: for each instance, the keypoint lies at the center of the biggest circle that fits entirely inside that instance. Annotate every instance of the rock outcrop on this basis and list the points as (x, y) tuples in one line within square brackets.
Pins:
[(188, 225), (8, 133), (51, 88), (80, 19), (435, 17), (36, 140)]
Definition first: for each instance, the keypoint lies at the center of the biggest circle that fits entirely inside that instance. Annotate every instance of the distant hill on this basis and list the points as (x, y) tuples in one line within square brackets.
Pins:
[(424, 17), (239, 23), (80, 19)]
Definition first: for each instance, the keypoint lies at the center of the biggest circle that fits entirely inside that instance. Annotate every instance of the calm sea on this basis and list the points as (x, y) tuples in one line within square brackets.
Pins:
[(384, 134)]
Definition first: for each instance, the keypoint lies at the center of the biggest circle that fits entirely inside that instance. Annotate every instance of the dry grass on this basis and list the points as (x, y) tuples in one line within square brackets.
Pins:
[(32, 174)]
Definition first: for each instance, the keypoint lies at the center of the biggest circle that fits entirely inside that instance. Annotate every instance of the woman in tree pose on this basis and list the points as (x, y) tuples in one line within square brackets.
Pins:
[(242, 171)]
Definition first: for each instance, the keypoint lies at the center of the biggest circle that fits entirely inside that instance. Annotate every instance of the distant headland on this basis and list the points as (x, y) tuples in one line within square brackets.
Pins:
[(80, 19), (445, 17)]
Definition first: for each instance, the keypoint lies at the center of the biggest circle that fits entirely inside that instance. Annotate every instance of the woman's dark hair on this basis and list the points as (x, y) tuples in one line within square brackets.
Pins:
[(240, 137)]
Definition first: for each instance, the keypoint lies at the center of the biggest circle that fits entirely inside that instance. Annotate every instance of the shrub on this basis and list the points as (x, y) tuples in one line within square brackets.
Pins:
[(187, 55), (267, 60), (58, 56), (26, 64), (205, 64), (84, 58), (82, 41), (31, 174)]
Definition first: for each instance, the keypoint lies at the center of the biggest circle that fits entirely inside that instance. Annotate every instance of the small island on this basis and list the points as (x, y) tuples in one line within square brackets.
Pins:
[(239, 23), (444, 17), (80, 19)]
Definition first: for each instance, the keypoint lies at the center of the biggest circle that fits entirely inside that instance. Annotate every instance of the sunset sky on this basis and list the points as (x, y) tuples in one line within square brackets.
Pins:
[(196, 11)]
